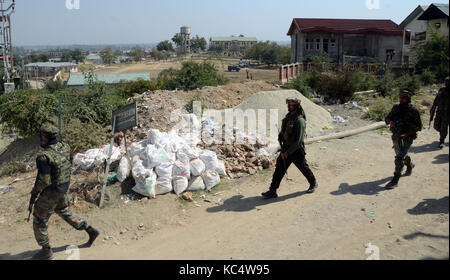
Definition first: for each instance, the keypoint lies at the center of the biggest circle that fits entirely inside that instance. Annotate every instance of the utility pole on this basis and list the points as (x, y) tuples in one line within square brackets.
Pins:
[(6, 42)]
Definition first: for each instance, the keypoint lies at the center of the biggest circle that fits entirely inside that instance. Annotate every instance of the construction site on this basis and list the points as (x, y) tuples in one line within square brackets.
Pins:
[(169, 156)]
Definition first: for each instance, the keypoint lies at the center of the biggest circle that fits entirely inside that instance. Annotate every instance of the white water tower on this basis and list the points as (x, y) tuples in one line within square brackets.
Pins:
[(185, 31)]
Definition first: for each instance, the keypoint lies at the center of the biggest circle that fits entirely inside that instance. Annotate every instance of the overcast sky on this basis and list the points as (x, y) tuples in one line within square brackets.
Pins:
[(49, 22)]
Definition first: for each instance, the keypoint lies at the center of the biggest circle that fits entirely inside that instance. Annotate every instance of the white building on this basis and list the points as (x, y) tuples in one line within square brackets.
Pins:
[(414, 30)]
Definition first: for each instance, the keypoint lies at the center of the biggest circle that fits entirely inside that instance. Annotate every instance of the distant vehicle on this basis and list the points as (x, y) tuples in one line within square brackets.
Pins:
[(234, 68), (244, 64)]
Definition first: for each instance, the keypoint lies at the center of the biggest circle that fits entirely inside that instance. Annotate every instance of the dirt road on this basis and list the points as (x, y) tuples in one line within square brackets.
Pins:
[(409, 222)]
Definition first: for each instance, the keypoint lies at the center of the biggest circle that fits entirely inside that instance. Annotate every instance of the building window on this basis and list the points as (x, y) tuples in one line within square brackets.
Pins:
[(333, 43), (438, 25), (317, 44), (307, 44)]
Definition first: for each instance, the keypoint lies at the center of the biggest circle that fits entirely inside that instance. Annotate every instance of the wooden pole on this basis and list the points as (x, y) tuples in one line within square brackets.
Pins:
[(108, 162), (346, 133)]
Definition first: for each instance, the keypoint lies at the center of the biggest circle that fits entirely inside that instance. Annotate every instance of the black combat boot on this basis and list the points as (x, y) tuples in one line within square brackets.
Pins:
[(409, 169), (270, 194), (441, 144), (93, 234), (312, 187), (46, 253), (392, 184)]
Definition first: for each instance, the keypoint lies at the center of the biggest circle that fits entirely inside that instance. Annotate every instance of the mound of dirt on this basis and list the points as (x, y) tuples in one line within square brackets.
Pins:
[(156, 107), (23, 150), (316, 116)]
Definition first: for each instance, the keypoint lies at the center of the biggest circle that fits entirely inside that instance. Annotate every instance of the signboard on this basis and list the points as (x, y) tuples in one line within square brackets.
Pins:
[(125, 117)]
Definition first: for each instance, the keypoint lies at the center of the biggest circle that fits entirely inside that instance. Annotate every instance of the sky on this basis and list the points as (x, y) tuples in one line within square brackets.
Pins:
[(50, 22)]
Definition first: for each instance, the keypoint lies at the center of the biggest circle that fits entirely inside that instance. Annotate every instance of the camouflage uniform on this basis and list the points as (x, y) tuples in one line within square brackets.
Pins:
[(292, 135), (52, 184), (407, 120), (441, 108)]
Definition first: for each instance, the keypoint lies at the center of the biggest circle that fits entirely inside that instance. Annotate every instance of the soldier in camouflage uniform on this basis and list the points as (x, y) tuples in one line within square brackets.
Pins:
[(441, 108), (52, 184), (291, 139), (404, 120)]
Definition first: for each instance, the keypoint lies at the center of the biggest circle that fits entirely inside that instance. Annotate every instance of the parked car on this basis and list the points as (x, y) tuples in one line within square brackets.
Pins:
[(233, 68)]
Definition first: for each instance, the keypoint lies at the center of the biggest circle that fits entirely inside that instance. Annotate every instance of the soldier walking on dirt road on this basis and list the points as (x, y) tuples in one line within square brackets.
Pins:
[(291, 139), (52, 184), (404, 120), (441, 108)]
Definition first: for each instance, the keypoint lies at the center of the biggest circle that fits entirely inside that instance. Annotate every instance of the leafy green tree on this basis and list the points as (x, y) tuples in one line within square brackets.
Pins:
[(165, 45), (108, 55), (137, 54), (42, 57), (216, 49), (78, 55), (178, 40), (198, 44), (434, 56)]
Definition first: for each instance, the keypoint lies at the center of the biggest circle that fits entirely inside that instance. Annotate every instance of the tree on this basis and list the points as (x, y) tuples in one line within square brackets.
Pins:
[(159, 55), (198, 44), (108, 55), (269, 53), (137, 54), (433, 55), (165, 46), (42, 57), (216, 49), (178, 39), (78, 55)]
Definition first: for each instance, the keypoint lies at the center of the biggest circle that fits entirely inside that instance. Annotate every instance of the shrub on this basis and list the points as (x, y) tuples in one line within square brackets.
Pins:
[(379, 110), (83, 136), (408, 82), (129, 89), (192, 75), (301, 85), (427, 77), (433, 54), (189, 107), (386, 85), (24, 111), (53, 86), (12, 168)]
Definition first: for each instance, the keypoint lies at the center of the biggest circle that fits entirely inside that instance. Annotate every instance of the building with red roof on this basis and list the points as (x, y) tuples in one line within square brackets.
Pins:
[(346, 40)]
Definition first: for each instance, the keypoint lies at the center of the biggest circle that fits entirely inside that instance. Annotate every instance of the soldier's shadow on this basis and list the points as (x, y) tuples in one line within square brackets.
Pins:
[(366, 188), (239, 203), (29, 254), (425, 148)]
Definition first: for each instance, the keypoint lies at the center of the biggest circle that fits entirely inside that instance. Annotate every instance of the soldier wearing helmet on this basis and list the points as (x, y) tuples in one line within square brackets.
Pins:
[(291, 139), (404, 121), (51, 186), (441, 109)]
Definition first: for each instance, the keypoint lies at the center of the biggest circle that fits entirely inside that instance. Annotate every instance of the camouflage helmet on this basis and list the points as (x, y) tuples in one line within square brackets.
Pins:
[(49, 129), (294, 101)]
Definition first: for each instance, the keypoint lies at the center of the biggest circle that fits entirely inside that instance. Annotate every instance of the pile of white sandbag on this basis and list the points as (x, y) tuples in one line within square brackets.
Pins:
[(95, 157), (165, 162)]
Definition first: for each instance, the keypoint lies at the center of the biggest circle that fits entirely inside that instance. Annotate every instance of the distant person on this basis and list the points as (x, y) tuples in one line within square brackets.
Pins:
[(404, 120), (291, 139), (52, 184), (441, 108)]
